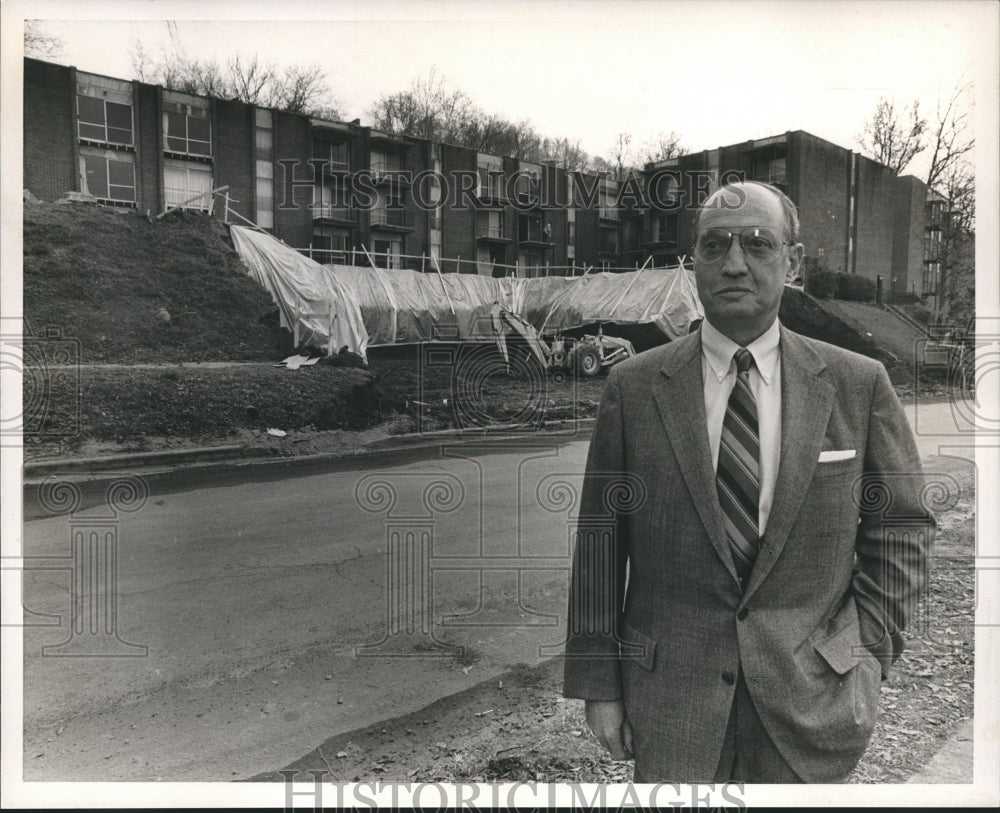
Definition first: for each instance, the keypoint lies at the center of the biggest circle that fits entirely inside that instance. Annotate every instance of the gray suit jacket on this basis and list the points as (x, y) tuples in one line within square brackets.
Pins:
[(841, 564)]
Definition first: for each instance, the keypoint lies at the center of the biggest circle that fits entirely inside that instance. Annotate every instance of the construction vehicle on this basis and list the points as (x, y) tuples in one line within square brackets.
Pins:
[(587, 355)]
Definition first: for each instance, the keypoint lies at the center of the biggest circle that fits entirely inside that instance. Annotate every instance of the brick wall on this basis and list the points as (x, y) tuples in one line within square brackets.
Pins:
[(416, 242), (554, 189), (873, 243), (50, 169), (909, 220), (149, 148), (587, 222), (458, 230), (233, 158), (819, 184), (292, 215)]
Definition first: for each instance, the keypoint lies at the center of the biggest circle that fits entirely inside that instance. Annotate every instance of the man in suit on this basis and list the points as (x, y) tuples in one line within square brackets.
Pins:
[(751, 535)]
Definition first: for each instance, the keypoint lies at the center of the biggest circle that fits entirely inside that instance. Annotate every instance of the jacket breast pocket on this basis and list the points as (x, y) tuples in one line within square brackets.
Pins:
[(637, 647), (836, 467)]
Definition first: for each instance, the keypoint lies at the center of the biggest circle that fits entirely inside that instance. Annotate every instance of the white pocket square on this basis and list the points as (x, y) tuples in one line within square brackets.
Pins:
[(837, 454)]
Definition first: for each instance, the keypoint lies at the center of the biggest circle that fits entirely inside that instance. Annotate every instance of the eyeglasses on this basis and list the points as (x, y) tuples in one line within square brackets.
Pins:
[(759, 243)]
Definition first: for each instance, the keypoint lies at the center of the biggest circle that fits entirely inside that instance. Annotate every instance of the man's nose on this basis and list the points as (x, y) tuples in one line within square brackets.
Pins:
[(734, 262)]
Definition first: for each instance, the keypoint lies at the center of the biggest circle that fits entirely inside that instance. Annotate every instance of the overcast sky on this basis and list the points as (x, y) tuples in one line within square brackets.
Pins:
[(715, 72)]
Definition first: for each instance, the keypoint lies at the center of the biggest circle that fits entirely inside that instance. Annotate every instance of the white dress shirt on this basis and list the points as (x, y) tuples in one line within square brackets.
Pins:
[(719, 374)]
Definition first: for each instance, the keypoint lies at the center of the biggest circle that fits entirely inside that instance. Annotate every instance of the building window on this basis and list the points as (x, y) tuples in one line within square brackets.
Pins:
[(631, 235), (607, 241), (385, 162), (527, 182), (104, 110), (183, 181), (532, 264), (337, 155), (607, 195), (104, 121), (932, 245), (331, 199), (331, 245), (531, 229), (489, 223), (932, 274), (935, 215), (490, 169), (108, 176), (186, 128), (665, 228), (263, 147), (387, 253)]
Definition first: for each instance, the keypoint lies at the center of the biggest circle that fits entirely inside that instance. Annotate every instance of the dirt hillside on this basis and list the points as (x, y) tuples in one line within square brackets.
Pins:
[(132, 290)]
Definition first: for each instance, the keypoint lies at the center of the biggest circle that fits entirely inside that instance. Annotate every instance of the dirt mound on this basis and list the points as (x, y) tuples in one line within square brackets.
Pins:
[(129, 289), (806, 315)]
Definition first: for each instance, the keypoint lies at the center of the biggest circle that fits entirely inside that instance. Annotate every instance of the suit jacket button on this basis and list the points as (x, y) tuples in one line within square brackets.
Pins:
[(728, 677), (742, 613)]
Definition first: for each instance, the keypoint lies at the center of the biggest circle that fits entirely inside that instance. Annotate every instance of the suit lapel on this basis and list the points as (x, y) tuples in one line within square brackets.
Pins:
[(806, 402), (680, 397)]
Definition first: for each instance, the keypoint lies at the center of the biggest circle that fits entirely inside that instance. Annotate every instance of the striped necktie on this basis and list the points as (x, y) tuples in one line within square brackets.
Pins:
[(738, 475)]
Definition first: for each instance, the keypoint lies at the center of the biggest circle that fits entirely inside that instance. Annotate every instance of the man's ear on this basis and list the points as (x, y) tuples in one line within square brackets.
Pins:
[(794, 262)]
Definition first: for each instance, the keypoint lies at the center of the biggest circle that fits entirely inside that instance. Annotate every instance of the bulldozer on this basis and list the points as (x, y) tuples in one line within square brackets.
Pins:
[(587, 355)]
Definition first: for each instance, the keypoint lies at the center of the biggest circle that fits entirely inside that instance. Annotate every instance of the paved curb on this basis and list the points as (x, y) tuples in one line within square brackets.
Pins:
[(952, 764), (246, 455)]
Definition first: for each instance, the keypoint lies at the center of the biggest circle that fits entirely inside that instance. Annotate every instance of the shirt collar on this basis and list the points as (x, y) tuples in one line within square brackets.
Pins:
[(718, 350)]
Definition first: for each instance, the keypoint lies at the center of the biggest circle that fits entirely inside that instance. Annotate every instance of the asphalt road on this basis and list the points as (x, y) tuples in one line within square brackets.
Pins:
[(251, 598), (249, 620)]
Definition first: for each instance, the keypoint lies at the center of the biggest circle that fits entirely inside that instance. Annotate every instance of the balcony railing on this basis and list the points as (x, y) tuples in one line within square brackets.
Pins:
[(532, 234), (492, 231), (342, 213), (392, 218), (494, 190), (384, 170)]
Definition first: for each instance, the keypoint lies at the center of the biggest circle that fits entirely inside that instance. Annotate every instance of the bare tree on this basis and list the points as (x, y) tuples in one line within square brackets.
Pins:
[(894, 135), (662, 147), (570, 155), (951, 138), (620, 156), (38, 44), (304, 90), (246, 78), (252, 80), (431, 108)]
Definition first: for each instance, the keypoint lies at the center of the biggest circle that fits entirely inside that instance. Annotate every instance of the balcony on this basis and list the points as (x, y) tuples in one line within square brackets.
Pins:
[(492, 193), (391, 220), (533, 236), (388, 172), (331, 169), (608, 215), (336, 215), (491, 233)]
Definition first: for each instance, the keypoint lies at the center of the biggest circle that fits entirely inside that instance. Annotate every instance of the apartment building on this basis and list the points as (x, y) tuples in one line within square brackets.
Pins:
[(344, 192), (857, 216)]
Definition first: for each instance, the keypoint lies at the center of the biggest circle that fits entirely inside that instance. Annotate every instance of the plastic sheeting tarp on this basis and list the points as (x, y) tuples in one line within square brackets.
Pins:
[(311, 301), (665, 297), (336, 305)]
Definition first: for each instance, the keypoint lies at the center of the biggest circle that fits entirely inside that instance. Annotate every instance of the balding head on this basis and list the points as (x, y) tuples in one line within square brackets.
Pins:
[(745, 251)]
